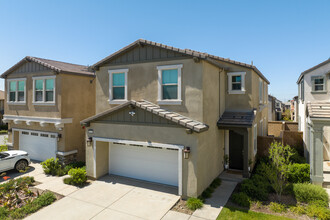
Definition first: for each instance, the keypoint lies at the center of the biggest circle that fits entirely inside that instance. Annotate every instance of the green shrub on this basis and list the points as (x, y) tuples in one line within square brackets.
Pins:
[(296, 157), (3, 212), (194, 203), (309, 193), (18, 183), (255, 188), (299, 209), (206, 195), (319, 212), (299, 173), (215, 183), (77, 177), (78, 164), (277, 207), (3, 148), (53, 167), (241, 199)]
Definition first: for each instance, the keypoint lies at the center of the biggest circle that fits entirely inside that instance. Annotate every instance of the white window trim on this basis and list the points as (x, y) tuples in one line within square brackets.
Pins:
[(16, 93), (162, 101), (255, 139), (313, 84), (44, 90), (117, 101), (230, 85)]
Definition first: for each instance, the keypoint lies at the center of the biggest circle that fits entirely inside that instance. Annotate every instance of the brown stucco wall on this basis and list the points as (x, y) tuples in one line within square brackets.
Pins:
[(78, 103), (167, 135), (75, 98), (30, 109), (142, 82)]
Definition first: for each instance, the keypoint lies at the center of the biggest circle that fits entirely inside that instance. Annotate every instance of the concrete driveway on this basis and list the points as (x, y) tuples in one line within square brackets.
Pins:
[(113, 197)]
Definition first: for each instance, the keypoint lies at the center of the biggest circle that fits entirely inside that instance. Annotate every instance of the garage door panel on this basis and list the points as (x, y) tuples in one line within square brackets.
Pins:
[(151, 164), (40, 146)]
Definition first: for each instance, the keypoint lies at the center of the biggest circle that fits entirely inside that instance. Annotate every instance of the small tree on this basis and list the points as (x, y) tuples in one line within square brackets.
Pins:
[(279, 156)]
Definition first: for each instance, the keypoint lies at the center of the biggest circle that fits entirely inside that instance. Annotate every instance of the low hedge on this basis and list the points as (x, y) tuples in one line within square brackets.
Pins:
[(299, 173), (257, 187), (241, 199), (310, 194), (194, 203)]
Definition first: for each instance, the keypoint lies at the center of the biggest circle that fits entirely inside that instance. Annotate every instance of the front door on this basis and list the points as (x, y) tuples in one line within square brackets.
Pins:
[(236, 142)]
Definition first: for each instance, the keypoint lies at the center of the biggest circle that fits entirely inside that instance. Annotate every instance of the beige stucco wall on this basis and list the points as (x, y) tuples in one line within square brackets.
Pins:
[(211, 142), (166, 135), (30, 109), (142, 82)]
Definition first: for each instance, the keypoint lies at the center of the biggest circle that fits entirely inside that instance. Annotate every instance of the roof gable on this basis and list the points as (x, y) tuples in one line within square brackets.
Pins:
[(35, 64), (143, 53), (145, 113), (144, 50), (313, 68)]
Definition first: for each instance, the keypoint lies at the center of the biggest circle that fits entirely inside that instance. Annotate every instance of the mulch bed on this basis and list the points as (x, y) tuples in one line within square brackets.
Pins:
[(180, 206), (286, 199)]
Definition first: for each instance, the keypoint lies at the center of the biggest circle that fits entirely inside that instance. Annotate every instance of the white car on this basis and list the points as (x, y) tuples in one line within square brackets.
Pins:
[(14, 159)]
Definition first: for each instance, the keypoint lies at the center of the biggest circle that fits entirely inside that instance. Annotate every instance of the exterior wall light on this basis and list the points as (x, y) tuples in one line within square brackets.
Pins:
[(59, 136), (186, 152), (89, 141)]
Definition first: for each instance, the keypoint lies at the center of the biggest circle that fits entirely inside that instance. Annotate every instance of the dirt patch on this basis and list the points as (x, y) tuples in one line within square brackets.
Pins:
[(181, 206)]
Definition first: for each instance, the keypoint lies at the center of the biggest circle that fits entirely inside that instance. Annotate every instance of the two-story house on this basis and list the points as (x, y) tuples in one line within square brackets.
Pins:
[(44, 103), (314, 116), (169, 116)]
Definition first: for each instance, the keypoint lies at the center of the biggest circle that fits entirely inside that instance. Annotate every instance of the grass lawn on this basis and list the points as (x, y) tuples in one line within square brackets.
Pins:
[(231, 213)]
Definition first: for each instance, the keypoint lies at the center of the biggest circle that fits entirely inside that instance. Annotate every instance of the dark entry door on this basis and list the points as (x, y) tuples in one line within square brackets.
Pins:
[(236, 142)]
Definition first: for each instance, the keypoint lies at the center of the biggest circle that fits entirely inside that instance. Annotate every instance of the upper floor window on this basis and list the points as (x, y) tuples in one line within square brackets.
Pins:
[(44, 90), (318, 84), (236, 82), (302, 90), (169, 84), (118, 86), (16, 91)]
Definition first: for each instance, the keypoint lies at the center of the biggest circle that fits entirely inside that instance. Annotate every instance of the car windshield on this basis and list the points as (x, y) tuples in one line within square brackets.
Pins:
[(3, 155)]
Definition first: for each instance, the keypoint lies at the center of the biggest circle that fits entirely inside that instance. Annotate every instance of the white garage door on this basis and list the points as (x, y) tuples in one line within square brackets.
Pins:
[(40, 146), (145, 163)]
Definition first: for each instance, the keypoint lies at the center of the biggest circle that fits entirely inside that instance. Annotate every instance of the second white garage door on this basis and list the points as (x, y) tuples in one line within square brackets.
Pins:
[(145, 163), (40, 146)]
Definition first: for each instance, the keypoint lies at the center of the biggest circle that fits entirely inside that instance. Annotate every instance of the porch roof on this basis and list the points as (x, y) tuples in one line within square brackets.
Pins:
[(236, 119), (157, 110), (318, 109)]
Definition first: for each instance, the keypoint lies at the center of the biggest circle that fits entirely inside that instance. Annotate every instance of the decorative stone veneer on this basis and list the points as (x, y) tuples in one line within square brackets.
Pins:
[(64, 160)]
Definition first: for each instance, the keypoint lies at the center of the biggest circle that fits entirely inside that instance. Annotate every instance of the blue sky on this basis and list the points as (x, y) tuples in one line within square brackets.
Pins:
[(283, 38)]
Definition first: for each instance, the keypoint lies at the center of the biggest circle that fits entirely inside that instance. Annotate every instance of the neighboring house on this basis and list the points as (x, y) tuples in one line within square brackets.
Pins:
[(314, 116), (278, 110), (271, 108), (45, 102), (2, 106), (294, 108), (169, 116)]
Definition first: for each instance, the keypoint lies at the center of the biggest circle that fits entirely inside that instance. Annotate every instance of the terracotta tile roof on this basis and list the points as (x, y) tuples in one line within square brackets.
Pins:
[(155, 109), (188, 52), (313, 68), (236, 119), (57, 66), (318, 109)]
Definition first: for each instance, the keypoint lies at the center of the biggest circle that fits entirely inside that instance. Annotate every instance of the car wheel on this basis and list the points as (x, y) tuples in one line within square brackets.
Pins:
[(21, 165)]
